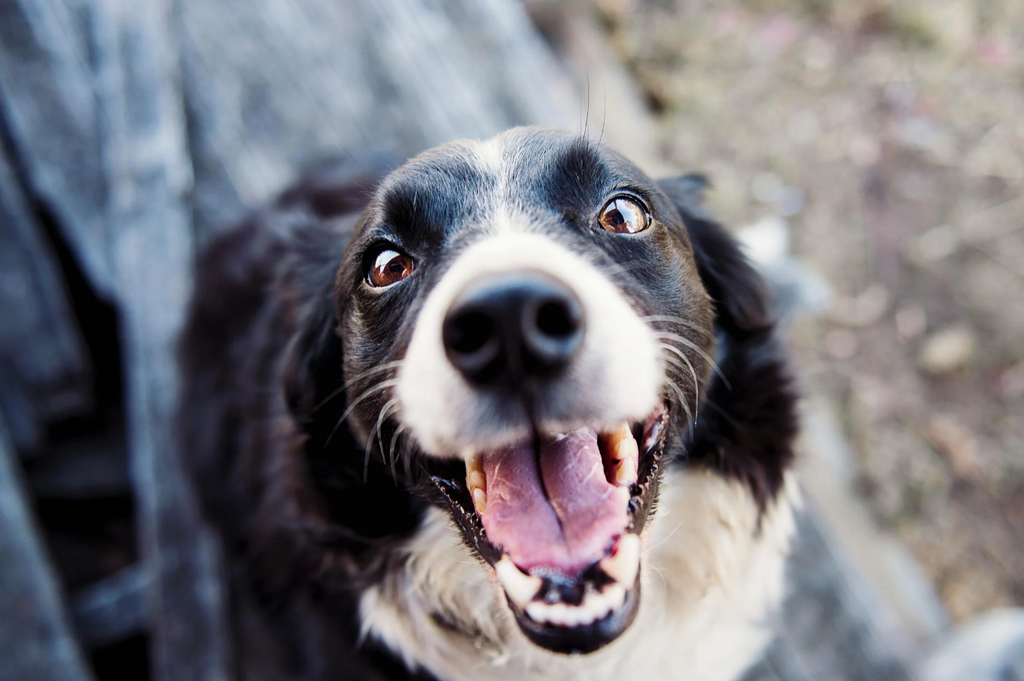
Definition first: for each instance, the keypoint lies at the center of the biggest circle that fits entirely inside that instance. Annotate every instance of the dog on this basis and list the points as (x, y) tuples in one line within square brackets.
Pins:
[(514, 411)]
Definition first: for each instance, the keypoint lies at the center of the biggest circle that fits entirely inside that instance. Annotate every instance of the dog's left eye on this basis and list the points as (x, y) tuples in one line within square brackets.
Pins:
[(624, 215), (389, 267)]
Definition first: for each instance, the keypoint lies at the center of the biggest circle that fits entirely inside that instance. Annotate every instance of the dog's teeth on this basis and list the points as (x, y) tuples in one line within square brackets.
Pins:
[(595, 606), (622, 449), (625, 445), (625, 472), (476, 481), (652, 439), (537, 611), (624, 565), (474, 464), (520, 587), (615, 595)]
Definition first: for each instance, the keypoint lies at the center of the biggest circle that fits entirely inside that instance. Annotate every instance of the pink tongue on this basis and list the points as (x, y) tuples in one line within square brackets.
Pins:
[(571, 527)]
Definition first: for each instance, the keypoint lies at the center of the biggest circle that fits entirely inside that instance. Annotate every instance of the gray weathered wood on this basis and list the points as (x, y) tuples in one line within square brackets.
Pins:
[(828, 630), (88, 466), (44, 371), (281, 83), (36, 642), (143, 131), (988, 648), (764, 671), (48, 99), (781, 663), (113, 609)]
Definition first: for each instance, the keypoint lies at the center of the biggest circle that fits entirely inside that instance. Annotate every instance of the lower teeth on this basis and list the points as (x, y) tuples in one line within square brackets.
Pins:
[(520, 587), (524, 590), (624, 564), (595, 606)]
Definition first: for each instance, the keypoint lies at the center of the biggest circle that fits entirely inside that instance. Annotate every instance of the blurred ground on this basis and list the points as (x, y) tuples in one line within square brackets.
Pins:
[(890, 136)]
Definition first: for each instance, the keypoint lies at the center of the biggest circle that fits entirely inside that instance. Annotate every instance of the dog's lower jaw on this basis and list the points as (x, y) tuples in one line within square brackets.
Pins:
[(711, 574)]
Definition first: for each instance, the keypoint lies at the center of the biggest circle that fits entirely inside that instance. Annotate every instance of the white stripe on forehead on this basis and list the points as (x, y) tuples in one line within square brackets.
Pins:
[(489, 158), (499, 157), (490, 155)]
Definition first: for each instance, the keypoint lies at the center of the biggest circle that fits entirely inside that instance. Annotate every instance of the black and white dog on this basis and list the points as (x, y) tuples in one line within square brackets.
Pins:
[(518, 414)]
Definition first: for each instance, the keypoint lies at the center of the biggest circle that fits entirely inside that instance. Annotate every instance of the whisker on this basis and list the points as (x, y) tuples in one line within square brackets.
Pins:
[(343, 387), (383, 385), (586, 121), (391, 449), (669, 319), (682, 355), (661, 574), (669, 536), (696, 348), (388, 406), (691, 419), (406, 460), (389, 409), (682, 400)]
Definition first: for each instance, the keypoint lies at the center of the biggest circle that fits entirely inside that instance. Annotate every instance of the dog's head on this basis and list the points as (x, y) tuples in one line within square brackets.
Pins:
[(527, 337)]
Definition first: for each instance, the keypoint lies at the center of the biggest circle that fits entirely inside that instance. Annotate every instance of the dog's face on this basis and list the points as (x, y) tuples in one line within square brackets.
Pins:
[(526, 338)]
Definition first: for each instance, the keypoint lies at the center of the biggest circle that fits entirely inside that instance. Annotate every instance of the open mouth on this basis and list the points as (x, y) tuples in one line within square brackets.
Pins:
[(559, 520)]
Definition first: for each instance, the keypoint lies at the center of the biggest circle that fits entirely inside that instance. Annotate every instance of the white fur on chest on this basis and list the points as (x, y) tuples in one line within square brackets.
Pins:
[(711, 581)]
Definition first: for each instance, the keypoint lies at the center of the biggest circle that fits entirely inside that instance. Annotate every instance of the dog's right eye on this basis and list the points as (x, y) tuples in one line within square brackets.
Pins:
[(624, 215), (389, 267)]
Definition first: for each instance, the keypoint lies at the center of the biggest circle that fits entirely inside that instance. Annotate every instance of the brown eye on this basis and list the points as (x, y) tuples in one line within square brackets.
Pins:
[(390, 267), (624, 215)]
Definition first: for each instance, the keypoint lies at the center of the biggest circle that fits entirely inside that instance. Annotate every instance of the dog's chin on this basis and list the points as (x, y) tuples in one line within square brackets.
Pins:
[(581, 638), (558, 519)]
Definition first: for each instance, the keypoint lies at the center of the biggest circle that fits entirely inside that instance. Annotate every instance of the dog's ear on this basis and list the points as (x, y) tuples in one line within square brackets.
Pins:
[(740, 296), (311, 370), (747, 424)]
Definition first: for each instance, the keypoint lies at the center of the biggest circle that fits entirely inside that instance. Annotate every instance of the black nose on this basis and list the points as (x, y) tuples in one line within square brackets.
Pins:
[(513, 327)]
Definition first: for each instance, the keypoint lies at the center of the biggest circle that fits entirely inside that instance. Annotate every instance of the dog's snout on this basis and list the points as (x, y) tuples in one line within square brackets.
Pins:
[(513, 327)]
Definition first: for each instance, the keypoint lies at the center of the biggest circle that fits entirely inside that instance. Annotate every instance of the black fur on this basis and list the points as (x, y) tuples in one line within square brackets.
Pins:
[(748, 420), (281, 318)]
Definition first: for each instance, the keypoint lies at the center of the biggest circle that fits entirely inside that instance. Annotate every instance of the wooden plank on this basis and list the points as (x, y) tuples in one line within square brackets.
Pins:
[(785, 664), (828, 628), (988, 648), (906, 611), (44, 370), (149, 178), (36, 643), (47, 95), (284, 83), (763, 671), (112, 609), (87, 466), (781, 663)]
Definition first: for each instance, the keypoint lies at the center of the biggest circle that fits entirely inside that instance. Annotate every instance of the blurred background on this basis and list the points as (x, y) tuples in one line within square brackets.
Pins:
[(870, 156), (889, 138)]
